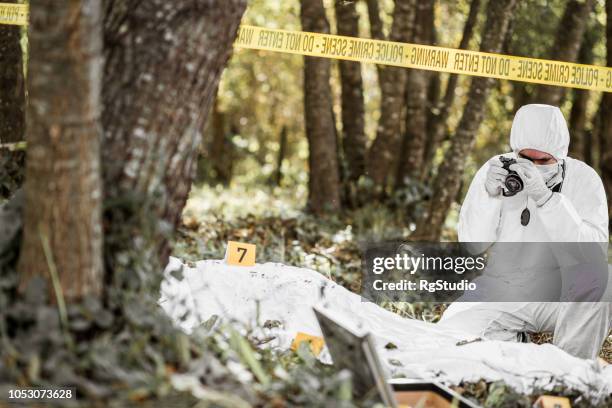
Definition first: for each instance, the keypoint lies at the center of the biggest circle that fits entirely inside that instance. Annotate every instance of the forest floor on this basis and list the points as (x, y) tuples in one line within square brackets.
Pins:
[(272, 219)]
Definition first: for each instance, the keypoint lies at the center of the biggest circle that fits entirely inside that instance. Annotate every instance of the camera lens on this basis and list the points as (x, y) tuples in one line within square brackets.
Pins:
[(514, 184)]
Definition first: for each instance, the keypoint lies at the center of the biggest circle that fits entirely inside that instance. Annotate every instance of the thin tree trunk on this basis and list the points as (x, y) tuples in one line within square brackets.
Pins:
[(376, 25), (63, 230), (434, 90), (324, 179), (595, 136), (448, 180), (412, 157), (383, 154), (520, 95), (12, 94), (221, 153), (587, 148), (577, 123), (520, 90), (160, 80), (439, 126), (578, 117), (353, 111), (605, 131), (570, 33), (282, 151)]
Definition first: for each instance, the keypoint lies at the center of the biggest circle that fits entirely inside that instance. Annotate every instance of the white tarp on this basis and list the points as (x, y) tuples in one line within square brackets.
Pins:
[(275, 292)]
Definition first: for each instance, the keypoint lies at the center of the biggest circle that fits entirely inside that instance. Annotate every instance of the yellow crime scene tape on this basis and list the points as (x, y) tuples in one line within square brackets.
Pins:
[(14, 14), (432, 58), (14, 145)]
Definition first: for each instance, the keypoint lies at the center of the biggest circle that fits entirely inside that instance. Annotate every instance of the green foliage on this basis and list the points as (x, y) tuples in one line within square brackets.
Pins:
[(131, 354)]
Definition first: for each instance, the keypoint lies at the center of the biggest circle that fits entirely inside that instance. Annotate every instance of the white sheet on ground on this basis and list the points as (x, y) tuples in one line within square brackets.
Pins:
[(276, 292)]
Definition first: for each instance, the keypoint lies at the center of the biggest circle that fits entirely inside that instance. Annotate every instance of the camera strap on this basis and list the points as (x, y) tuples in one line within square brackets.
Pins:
[(557, 188), (526, 214)]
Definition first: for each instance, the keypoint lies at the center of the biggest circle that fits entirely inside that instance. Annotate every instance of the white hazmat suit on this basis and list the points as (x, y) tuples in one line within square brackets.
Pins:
[(576, 213)]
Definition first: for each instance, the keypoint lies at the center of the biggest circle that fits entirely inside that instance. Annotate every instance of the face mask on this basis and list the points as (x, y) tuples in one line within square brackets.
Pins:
[(549, 173)]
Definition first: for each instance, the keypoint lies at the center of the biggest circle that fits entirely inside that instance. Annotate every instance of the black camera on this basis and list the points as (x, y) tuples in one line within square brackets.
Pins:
[(513, 183)]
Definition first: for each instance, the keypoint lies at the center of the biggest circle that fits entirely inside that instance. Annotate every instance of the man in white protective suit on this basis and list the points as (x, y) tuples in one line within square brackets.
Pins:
[(562, 201)]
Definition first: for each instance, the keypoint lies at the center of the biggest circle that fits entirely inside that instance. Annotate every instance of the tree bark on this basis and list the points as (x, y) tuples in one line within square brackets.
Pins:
[(163, 64), (383, 154), (353, 112), (578, 117), (324, 177), (439, 126), (448, 180), (62, 230), (12, 94), (412, 157), (605, 131), (570, 33)]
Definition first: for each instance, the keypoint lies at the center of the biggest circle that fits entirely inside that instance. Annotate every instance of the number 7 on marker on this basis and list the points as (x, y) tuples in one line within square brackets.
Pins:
[(240, 254), (244, 252)]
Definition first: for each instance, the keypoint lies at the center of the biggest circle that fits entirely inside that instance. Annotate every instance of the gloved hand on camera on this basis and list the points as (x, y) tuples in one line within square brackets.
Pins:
[(535, 186), (495, 177)]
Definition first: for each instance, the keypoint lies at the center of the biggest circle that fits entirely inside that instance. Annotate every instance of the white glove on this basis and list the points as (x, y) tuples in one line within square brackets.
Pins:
[(495, 177), (535, 186)]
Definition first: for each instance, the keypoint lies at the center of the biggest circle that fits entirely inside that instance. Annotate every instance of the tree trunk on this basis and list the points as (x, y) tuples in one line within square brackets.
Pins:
[(605, 131), (383, 154), (282, 151), (568, 39), (12, 108), (353, 111), (12, 169), (439, 126), (578, 116), (577, 124), (376, 25), (434, 90), (412, 157), (12, 95), (221, 153), (324, 178), (160, 80), (63, 230), (448, 180)]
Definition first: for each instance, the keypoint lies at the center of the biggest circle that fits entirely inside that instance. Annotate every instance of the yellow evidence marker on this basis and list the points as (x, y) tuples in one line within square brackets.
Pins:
[(240, 254), (548, 401), (316, 342)]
